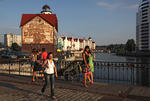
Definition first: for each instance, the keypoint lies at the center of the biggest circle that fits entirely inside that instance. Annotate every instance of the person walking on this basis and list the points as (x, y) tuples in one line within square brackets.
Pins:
[(32, 59), (50, 71), (43, 59), (44, 54), (38, 63)]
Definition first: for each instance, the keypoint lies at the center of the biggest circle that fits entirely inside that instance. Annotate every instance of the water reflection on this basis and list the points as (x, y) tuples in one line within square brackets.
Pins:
[(140, 73), (143, 76), (115, 58)]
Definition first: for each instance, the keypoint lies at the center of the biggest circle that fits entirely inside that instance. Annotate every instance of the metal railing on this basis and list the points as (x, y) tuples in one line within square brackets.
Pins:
[(18, 67), (131, 73), (123, 72)]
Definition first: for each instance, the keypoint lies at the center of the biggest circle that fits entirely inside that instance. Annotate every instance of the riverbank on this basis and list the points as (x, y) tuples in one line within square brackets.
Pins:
[(134, 54)]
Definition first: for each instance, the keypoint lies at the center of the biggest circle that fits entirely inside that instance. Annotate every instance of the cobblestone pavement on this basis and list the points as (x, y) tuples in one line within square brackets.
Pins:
[(24, 90), (19, 92)]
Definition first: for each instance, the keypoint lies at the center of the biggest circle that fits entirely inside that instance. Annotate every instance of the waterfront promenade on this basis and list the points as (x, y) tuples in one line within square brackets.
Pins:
[(20, 88)]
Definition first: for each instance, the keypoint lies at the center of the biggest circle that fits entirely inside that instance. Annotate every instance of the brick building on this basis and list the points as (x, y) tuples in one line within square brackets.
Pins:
[(39, 30)]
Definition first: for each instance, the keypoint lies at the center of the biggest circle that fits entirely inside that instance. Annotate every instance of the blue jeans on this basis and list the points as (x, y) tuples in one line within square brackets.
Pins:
[(49, 78)]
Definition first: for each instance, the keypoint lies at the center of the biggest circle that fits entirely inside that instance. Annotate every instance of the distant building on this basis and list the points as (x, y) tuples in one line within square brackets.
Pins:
[(143, 27), (70, 43), (10, 38), (60, 43), (39, 30)]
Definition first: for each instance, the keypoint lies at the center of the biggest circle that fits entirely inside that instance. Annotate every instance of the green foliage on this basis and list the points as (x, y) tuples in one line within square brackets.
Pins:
[(116, 48), (121, 51), (130, 45), (0, 45), (15, 47)]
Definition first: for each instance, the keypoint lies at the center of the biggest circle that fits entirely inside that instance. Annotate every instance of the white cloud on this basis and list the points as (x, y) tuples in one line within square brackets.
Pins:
[(107, 5), (133, 6), (116, 5)]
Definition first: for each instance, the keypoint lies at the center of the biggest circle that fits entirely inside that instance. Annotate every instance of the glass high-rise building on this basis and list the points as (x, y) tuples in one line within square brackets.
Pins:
[(143, 26)]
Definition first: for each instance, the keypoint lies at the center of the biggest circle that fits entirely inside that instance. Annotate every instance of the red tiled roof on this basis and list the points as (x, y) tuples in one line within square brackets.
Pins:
[(69, 38), (81, 40), (50, 18), (76, 39), (63, 38)]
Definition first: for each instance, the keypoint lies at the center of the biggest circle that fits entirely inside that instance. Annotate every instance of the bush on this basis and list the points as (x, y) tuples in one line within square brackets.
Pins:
[(15, 47)]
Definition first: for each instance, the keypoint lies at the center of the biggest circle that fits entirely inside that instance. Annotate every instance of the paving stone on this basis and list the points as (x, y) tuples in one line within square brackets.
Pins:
[(21, 89)]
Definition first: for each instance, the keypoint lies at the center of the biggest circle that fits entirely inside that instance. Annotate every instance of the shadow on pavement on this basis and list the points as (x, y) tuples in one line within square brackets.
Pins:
[(11, 86)]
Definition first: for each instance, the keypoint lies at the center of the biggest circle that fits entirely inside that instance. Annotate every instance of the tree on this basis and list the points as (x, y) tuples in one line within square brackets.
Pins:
[(130, 45), (15, 47), (0, 45)]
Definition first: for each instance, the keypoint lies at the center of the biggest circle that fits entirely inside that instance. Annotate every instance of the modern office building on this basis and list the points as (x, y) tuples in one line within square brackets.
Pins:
[(143, 27), (10, 38)]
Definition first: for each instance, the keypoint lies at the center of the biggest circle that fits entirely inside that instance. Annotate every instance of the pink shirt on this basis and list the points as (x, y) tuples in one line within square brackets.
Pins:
[(44, 55)]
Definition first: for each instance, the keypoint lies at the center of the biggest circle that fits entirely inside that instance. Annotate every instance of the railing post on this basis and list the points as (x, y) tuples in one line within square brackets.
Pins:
[(19, 67), (9, 66), (133, 66), (131, 74), (108, 72)]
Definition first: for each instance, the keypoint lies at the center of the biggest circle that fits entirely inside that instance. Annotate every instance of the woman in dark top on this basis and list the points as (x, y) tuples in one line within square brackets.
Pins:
[(32, 58), (38, 63), (41, 69), (86, 64), (35, 69)]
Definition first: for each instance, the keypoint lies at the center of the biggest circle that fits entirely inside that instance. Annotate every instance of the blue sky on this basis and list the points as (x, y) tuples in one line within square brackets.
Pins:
[(106, 21)]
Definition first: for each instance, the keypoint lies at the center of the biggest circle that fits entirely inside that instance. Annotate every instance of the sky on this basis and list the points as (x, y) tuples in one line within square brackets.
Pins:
[(106, 21)]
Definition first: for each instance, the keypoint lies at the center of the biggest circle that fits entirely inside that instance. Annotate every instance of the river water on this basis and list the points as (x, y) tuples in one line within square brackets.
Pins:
[(122, 75), (114, 58)]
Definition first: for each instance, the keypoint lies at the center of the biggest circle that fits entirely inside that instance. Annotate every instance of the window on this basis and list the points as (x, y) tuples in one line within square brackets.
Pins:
[(144, 7)]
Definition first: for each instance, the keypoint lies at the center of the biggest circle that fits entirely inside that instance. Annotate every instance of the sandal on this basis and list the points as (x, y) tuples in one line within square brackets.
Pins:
[(53, 97), (86, 86)]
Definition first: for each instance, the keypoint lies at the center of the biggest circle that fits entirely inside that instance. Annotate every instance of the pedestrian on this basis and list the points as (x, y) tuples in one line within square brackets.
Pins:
[(50, 71), (38, 63), (43, 58), (85, 67), (32, 59), (91, 67), (44, 55)]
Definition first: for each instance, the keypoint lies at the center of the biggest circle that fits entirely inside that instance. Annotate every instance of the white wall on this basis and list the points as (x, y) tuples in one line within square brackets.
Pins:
[(77, 45), (12, 38)]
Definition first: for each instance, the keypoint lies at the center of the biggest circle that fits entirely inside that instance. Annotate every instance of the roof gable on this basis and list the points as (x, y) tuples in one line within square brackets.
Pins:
[(50, 18)]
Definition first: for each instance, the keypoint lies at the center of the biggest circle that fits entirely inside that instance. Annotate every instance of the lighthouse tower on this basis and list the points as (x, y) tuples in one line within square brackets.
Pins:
[(46, 10), (39, 31)]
